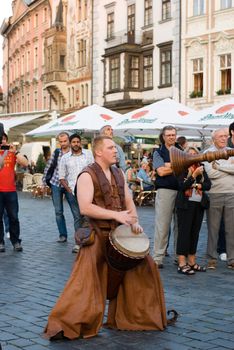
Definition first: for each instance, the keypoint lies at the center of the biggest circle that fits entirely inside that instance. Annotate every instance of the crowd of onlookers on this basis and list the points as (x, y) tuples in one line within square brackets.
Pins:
[(180, 201)]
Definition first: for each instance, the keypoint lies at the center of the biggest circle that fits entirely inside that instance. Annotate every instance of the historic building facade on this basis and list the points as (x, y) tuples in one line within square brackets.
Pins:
[(135, 52), (207, 52), (66, 54), (47, 55), (79, 53), (23, 56)]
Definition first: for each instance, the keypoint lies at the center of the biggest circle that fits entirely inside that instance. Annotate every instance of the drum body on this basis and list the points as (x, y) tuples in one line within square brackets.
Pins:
[(125, 249)]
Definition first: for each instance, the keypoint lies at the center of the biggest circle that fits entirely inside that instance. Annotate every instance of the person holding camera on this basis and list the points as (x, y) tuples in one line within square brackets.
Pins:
[(191, 202), (9, 157)]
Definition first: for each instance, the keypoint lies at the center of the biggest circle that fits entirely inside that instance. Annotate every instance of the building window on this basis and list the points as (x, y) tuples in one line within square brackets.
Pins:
[(197, 78), (225, 70), (17, 105), (165, 65), (69, 97), (44, 102), (134, 72), (131, 23), (22, 29), (198, 7), (50, 63), (82, 53), (79, 11), (36, 20), (28, 61), (62, 62), (85, 9), (114, 73), (28, 24), (86, 94), (225, 4), (148, 71), (45, 14), (22, 65), (28, 102), (110, 25), (73, 96), (82, 95), (22, 103), (166, 9), (35, 57), (148, 13), (35, 101), (18, 68)]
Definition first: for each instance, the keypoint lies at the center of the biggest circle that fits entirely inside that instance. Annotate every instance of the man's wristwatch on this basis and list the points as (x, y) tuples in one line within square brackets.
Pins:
[(17, 152)]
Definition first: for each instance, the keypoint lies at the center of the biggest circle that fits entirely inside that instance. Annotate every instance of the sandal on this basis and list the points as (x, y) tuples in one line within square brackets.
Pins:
[(198, 268), (186, 270)]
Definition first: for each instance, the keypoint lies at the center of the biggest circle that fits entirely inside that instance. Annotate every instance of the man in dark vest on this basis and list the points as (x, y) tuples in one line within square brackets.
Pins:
[(137, 302), (167, 187)]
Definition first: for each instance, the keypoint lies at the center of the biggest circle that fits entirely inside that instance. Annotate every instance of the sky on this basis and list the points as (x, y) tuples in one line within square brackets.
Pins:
[(4, 13)]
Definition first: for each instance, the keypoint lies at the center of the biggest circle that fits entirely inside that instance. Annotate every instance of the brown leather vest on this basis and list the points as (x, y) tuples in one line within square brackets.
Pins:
[(106, 195)]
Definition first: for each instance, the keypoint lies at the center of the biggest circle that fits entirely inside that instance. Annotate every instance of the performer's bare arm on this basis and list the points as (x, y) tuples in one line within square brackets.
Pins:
[(85, 192)]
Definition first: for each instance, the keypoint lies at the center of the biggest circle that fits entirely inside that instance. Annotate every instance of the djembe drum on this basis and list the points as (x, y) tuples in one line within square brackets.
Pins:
[(126, 249)]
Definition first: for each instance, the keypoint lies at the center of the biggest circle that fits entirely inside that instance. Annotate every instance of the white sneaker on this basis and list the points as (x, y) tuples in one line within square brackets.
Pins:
[(223, 256), (8, 235), (76, 248)]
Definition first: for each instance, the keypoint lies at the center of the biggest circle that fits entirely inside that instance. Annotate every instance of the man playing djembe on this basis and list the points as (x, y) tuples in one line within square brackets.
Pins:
[(137, 302)]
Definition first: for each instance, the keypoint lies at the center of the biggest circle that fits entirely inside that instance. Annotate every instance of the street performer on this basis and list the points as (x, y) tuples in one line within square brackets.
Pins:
[(137, 301)]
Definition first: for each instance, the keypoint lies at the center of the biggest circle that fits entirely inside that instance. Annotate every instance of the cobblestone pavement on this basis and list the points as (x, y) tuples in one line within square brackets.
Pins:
[(32, 280)]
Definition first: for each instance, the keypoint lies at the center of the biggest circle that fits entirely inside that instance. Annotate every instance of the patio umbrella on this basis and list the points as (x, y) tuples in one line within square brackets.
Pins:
[(11, 120), (217, 116), (154, 117), (91, 118)]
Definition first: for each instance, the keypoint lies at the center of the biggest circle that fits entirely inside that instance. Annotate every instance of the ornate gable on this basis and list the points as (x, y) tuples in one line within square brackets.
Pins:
[(19, 9)]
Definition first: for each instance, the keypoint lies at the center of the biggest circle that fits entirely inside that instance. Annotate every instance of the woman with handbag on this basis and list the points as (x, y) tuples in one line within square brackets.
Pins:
[(191, 202)]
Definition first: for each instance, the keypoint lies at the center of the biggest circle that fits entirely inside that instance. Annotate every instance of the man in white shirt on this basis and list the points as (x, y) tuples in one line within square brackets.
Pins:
[(221, 174), (70, 166)]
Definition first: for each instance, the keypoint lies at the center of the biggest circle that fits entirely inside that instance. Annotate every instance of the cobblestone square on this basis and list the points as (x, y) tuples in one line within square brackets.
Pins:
[(32, 280)]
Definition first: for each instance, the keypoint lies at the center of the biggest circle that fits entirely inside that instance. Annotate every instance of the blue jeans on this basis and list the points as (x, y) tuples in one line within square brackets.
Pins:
[(6, 221), (57, 197), (9, 202)]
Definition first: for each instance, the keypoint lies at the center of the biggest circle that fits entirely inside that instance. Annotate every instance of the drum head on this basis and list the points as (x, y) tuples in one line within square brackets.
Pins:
[(130, 243)]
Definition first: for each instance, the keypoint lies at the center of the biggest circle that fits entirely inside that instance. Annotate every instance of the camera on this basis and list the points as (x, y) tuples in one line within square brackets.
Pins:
[(4, 147)]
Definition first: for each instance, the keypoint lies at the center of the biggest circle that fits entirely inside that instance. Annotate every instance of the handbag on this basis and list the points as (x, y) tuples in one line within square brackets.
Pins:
[(84, 236)]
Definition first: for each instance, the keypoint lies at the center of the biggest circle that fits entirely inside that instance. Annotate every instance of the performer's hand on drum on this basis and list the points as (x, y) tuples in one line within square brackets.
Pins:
[(125, 217), (136, 228)]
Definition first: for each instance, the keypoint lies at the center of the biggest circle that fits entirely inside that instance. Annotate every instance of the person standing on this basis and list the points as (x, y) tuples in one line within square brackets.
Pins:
[(57, 191), (8, 195), (69, 168), (4, 142), (221, 174), (191, 202), (167, 187), (108, 131), (230, 141), (137, 301)]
